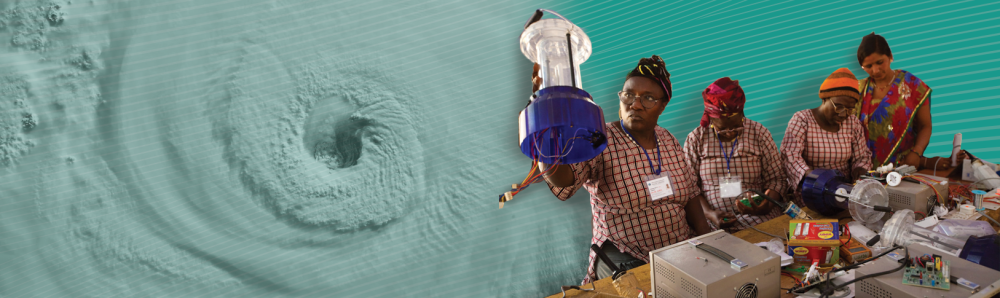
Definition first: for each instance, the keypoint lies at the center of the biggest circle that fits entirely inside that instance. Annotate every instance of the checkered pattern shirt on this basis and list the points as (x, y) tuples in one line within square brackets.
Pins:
[(755, 160), (807, 146), (622, 209)]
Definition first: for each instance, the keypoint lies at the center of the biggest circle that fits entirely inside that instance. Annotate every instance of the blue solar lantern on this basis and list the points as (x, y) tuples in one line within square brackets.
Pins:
[(826, 192), (561, 124), (819, 188)]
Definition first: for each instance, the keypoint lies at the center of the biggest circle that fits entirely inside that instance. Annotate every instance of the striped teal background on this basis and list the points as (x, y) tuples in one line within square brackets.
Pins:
[(781, 51)]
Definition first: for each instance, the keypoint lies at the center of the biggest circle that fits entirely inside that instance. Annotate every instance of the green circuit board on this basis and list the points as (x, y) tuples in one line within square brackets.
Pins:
[(920, 276)]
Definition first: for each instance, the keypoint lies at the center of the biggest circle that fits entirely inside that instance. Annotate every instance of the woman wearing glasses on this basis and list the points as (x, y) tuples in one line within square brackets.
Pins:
[(643, 196), (829, 136), (894, 109), (728, 150)]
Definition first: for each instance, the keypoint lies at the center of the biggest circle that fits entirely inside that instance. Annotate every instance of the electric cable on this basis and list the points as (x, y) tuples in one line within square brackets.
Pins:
[(758, 230), (761, 194), (829, 290), (931, 185), (778, 204), (988, 217)]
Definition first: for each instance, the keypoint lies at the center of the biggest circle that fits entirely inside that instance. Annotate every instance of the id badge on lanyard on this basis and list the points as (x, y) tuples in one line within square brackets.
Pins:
[(659, 186), (730, 185)]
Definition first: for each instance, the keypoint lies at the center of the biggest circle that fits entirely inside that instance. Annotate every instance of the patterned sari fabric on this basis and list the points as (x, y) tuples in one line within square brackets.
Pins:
[(889, 121)]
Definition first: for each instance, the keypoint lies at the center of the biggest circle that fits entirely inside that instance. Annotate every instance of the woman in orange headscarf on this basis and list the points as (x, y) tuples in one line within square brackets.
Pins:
[(828, 136)]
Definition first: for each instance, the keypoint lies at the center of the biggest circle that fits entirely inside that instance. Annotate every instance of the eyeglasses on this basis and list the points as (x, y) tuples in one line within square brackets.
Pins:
[(734, 117), (841, 108), (628, 98), (737, 130)]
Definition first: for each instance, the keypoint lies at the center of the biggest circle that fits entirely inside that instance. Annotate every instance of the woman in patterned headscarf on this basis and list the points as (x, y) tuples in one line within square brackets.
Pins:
[(828, 136), (727, 145), (634, 212), (894, 109)]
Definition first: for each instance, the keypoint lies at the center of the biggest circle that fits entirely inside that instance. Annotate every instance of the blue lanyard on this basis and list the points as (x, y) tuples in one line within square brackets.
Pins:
[(731, 151), (659, 163)]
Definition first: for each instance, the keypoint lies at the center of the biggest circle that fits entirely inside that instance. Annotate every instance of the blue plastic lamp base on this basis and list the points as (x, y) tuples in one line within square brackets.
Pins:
[(818, 187), (983, 251), (562, 125)]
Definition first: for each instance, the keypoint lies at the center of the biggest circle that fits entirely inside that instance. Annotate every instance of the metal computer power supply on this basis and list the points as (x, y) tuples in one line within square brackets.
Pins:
[(916, 196), (891, 285), (714, 265)]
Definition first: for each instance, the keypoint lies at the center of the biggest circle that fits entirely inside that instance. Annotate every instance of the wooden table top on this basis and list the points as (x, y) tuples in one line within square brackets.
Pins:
[(777, 226)]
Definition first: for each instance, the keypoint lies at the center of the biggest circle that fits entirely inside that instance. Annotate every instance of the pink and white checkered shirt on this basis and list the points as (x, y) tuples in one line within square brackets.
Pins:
[(622, 209), (755, 159), (807, 146)]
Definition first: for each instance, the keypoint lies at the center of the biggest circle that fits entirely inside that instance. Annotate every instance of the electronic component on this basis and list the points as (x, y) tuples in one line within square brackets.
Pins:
[(716, 264), (561, 124), (756, 201), (933, 275), (974, 287), (854, 251), (916, 196), (891, 285)]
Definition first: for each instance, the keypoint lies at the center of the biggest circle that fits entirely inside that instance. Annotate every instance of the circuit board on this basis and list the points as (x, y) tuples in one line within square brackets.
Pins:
[(927, 276)]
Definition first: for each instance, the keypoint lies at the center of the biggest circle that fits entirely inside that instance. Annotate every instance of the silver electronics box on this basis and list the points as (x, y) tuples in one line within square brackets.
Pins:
[(914, 195), (891, 285), (684, 270)]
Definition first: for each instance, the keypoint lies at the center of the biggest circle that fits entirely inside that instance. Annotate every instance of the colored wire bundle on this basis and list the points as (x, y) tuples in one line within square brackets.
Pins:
[(536, 173), (929, 182)]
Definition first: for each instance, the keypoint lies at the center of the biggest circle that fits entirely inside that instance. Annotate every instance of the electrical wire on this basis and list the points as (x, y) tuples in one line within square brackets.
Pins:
[(536, 174), (761, 194), (797, 281), (931, 185), (847, 229), (831, 288), (739, 219), (988, 217)]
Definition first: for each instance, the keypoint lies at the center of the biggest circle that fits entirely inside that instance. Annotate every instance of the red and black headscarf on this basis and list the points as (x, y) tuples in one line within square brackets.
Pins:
[(723, 98), (655, 69)]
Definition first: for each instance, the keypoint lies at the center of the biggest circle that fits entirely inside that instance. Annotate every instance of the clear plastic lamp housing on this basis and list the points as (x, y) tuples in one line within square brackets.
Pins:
[(562, 124), (544, 42), (865, 195)]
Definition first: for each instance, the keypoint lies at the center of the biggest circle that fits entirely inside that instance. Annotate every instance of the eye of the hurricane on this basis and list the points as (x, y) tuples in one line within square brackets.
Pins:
[(342, 147)]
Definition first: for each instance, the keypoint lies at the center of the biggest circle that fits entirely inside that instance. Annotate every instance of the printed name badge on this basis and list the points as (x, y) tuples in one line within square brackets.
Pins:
[(730, 186), (659, 186)]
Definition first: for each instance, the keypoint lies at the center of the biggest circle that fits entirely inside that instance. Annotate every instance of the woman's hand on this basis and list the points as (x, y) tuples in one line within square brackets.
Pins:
[(721, 219), (762, 208), (857, 172), (912, 159), (961, 156)]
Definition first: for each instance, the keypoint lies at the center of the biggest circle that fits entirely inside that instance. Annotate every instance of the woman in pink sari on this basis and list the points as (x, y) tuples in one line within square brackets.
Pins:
[(894, 109)]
